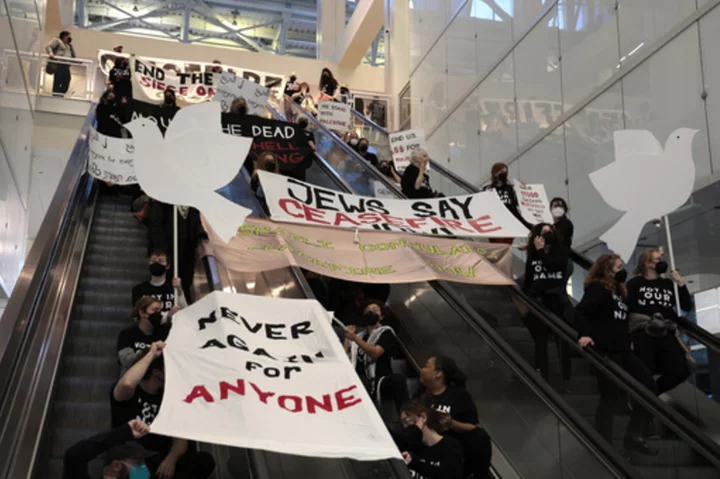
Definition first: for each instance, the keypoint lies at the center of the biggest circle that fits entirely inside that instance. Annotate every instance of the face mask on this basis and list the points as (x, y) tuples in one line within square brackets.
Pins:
[(139, 472), (370, 318), (270, 167), (385, 170), (621, 276), (557, 212), (157, 269), (502, 177), (363, 149), (292, 79), (155, 320), (353, 142), (661, 267), (69, 40), (549, 237)]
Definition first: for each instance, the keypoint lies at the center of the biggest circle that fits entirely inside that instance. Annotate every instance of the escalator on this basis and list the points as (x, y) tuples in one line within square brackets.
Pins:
[(495, 313)]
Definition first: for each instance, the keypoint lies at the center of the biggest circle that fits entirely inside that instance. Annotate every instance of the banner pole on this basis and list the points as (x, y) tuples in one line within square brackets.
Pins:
[(176, 272), (671, 253)]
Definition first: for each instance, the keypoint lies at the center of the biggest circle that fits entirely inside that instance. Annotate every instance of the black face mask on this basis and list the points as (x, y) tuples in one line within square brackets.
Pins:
[(292, 79), (385, 170), (661, 267), (621, 276), (270, 167), (363, 149), (157, 269), (370, 318), (502, 177), (549, 237), (155, 320)]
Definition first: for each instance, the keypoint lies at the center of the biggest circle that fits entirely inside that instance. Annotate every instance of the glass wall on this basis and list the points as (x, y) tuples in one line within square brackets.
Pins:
[(543, 84)]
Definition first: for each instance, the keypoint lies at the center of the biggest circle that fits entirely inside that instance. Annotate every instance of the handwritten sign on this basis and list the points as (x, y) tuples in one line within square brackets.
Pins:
[(111, 159), (402, 145), (229, 86), (533, 202), (335, 116)]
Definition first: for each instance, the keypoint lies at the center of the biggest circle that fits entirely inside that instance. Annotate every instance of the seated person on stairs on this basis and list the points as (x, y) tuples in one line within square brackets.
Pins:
[(150, 326), (158, 286)]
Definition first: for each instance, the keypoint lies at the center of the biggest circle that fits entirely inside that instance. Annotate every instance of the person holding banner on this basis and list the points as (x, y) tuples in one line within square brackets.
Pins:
[(158, 286), (169, 99), (545, 280), (328, 85), (119, 78), (415, 180), (239, 106), (151, 325), (563, 227), (503, 186)]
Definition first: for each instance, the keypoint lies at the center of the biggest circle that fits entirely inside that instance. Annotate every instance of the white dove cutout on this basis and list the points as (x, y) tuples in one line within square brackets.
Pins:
[(644, 181), (193, 160)]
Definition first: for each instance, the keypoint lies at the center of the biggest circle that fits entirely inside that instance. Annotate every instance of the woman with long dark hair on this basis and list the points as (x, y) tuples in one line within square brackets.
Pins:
[(328, 84), (545, 271), (601, 319)]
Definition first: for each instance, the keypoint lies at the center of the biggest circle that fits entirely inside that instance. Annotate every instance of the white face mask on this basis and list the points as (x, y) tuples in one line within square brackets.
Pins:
[(557, 212), (353, 142)]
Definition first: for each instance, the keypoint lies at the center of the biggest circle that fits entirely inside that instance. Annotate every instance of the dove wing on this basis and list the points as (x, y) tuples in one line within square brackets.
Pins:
[(631, 143), (202, 116)]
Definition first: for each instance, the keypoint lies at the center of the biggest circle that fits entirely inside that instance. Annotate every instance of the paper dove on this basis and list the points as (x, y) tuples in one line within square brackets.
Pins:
[(645, 182), (193, 160)]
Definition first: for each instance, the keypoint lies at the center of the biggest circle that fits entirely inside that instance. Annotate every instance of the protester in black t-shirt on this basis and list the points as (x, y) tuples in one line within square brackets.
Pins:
[(387, 168), (445, 393), (601, 320), (415, 182), (120, 79), (138, 395), (328, 84), (107, 115), (362, 148), (505, 190), (158, 286), (292, 86), (545, 280), (438, 457), (652, 305), (124, 457), (372, 351), (150, 326)]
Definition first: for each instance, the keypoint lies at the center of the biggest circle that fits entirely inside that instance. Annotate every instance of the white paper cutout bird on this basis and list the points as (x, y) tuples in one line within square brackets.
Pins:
[(193, 160), (645, 182)]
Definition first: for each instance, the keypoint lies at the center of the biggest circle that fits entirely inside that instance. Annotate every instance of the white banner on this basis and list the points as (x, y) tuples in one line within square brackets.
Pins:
[(481, 214), (334, 115), (266, 373), (533, 203), (150, 81), (111, 159), (229, 86), (402, 145)]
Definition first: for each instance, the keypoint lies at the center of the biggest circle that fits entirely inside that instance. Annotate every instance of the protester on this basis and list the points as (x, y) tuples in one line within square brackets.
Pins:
[(239, 106), (151, 325), (563, 227), (387, 168), (138, 395), (328, 85), (120, 79), (372, 351), (107, 115), (299, 170), (415, 181), (545, 281), (601, 320), (123, 457), (377, 111), (351, 137), (438, 457), (118, 48), (169, 100), (266, 161), (345, 96), (363, 146), (158, 286), (651, 301), (503, 186), (217, 67), (445, 393), (292, 86), (60, 47)]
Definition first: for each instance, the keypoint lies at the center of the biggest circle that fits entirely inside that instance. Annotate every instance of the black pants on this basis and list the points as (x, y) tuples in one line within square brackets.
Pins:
[(663, 356), (558, 304), (393, 387), (192, 465), (477, 453), (610, 394), (61, 79)]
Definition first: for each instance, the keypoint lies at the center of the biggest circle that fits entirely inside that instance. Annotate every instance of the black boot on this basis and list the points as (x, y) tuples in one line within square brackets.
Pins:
[(638, 444)]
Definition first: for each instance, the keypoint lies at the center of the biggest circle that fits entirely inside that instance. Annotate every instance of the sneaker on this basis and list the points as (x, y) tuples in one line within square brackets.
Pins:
[(638, 444)]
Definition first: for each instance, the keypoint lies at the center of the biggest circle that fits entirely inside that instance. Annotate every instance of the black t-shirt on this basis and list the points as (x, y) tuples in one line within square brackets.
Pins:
[(292, 88), (164, 293), (457, 402), (143, 406), (656, 296), (564, 229), (371, 158), (506, 193), (444, 460), (136, 340), (120, 78), (602, 315), (408, 184), (383, 365), (545, 271)]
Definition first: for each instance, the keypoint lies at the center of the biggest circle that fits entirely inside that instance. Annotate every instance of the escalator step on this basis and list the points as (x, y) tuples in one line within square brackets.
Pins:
[(90, 367), (84, 390), (91, 346), (689, 472), (673, 452), (91, 311), (116, 251), (88, 327), (93, 415), (127, 269), (108, 283), (104, 297)]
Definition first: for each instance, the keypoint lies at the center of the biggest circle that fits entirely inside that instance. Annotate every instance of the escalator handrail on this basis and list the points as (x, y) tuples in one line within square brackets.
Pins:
[(693, 330), (546, 394)]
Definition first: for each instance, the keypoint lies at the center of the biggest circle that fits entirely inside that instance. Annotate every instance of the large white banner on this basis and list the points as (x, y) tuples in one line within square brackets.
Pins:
[(111, 159), (149, 82), (533, 202), (266, 373), (334, 115), (229, 86), (402, 145), (480, 214)]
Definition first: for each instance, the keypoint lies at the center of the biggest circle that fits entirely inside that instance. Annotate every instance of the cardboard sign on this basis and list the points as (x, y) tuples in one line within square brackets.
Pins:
[(533, 203), (149, 82), (366, 257), (402, 145), (111, 159), (480, 214), (266, 373), (334, 115), (229, 86)]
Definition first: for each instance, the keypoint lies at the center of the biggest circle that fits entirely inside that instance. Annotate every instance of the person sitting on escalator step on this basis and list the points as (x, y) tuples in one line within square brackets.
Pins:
[(363, 146), (415, 181), (158, 286), (445, 393), (150, 325)]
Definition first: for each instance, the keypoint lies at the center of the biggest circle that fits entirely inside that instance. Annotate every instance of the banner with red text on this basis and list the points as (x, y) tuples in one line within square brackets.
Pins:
[(480, 214), (266, 373), (533, 203), (149, 82), (362, 256)]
